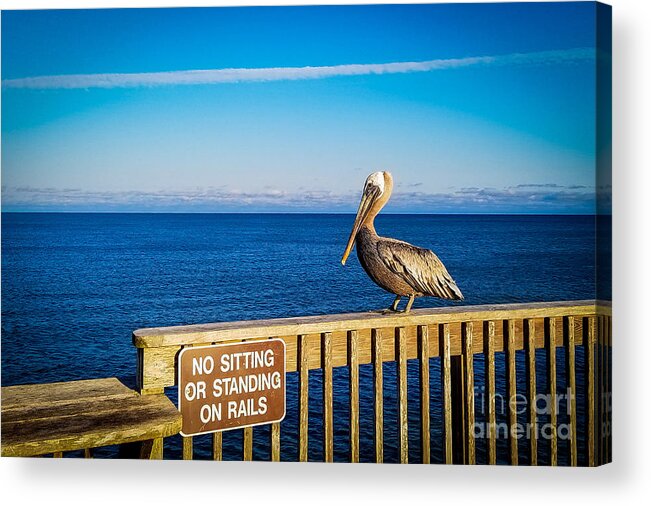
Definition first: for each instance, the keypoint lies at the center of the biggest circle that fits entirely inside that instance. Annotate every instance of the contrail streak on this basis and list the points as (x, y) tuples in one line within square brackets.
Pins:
[(241, 75)]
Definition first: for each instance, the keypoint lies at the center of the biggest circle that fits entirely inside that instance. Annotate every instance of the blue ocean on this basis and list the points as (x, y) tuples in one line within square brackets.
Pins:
[(75, 286)]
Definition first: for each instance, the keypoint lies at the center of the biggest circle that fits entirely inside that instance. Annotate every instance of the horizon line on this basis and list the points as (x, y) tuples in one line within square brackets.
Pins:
[(352, 213)]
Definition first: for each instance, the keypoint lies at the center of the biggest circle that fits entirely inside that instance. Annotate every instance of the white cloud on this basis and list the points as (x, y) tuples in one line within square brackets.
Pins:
[(236, 75), (523, 198)]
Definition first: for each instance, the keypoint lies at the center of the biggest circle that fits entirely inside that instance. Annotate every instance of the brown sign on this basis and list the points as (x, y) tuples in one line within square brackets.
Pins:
[(230, 386)]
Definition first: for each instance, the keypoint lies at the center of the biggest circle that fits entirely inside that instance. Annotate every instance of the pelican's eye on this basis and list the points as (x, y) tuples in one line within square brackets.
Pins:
[(372, 190)]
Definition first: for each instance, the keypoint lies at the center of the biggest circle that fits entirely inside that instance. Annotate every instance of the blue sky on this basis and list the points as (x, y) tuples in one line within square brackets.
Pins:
[(99, 113)]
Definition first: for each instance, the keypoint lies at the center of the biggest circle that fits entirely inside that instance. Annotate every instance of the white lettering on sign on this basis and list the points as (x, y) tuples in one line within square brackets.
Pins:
[(228, 386), (195, 391), (210, 413), (202, 365), (246, 384), (247, 360)]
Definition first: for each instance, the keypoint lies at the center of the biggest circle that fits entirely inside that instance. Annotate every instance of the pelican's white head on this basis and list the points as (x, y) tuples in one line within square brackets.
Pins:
[(375, 180)]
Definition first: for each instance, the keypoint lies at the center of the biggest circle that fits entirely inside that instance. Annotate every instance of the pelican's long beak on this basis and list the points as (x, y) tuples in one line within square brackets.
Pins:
[(368, 198)]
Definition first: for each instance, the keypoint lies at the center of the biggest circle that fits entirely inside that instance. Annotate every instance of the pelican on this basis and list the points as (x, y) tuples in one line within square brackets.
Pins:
[(396, 266)]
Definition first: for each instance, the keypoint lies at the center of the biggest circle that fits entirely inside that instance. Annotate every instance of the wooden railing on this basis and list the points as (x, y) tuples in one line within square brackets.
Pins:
[(454, 336)]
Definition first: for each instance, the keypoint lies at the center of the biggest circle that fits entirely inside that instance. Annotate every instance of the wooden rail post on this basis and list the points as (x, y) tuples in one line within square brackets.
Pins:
[(326, 359), (217, 446), (353, 361), (589, 347), (608, 389), (378, 390), (468, 355), (570, 372), (152, 449), (303, 397), (401, 376), (529, 330), (600, 390), (275, 442), (490, 392), (423, 355), (459, 446), (187, 448), (550, 348), (511, 389), (446, 388), (247, 444)]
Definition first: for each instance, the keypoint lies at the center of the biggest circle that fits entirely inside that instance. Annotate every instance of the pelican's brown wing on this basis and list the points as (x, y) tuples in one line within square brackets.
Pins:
[(420, 268)]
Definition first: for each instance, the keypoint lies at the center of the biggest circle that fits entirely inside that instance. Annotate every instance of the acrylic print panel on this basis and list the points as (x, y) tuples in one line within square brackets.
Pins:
[(372, 233)]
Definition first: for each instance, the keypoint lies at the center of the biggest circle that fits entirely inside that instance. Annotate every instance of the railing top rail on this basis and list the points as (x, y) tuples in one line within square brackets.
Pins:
[(250, 329)]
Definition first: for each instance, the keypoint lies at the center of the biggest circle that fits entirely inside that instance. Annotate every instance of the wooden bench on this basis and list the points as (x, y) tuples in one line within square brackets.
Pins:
[(81, 415)]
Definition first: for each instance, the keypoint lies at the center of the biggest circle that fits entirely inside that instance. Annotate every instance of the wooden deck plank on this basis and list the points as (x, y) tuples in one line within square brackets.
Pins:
[(20, 396), (86, 424)]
